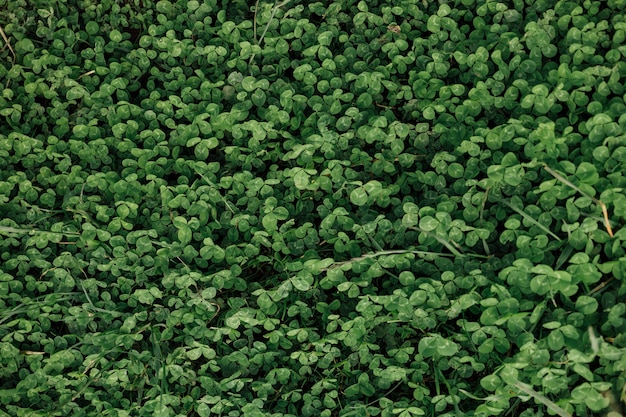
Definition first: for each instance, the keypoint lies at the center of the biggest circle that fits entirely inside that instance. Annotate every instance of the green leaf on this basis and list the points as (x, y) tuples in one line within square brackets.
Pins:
[(542, 104), (583, 371), (270, 223), (494, 141), (184, 234), (590, 396), (397, 146), (358, 196), (282, 46), (92, 27), (555, 340), (325, 38), (455, 170), (447, 348), (248, 83), (116, 36), (378, 121), (300, 283), (265, 301), (428, 223), (586, 305), (406, 278), (301, 179), (434, 23), (80, 131), (164, 6), (364, 101), (491, 382)]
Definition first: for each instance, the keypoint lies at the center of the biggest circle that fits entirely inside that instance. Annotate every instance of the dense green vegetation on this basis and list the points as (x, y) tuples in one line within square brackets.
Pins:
[(338, 208)]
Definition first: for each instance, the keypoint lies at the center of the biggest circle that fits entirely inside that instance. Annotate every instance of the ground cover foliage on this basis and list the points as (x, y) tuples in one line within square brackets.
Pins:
[(340, 208)]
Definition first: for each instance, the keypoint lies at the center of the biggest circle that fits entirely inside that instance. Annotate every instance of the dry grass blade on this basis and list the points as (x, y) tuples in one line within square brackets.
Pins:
[(448, 244), (256, 8), (398, 252), (8, 229), (382, 253), (274, 10), (31, 352), (527, 389), (565, 181), (601, 285), (530, 219), (6, 41), (86, 74)]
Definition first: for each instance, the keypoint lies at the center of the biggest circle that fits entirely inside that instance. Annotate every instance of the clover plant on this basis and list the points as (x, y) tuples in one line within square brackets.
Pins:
[(285, 208)]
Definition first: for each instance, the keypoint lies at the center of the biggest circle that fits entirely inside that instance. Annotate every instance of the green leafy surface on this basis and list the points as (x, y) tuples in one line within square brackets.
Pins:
[(340, 208)]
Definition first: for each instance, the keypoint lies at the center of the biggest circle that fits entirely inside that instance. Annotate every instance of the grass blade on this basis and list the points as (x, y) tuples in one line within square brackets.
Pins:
[(605, 213), (527, 389), (530, 219)]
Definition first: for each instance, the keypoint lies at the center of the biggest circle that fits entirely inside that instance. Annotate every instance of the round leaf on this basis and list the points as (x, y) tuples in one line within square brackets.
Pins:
[(358, 196), (301, 179), (116, 36), (92, 27), (325, 38), (428, 223)]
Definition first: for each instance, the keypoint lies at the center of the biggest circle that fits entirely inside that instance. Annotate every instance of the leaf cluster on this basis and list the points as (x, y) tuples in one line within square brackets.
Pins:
[(344, 208)]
